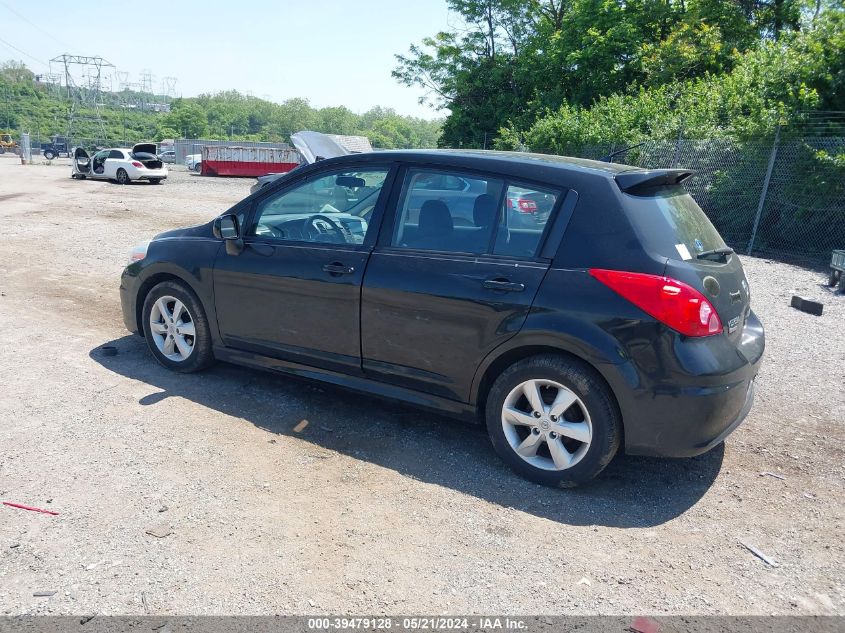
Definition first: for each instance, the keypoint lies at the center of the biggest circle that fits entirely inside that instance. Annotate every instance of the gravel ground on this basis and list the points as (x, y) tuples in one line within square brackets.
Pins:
[(371, 507)]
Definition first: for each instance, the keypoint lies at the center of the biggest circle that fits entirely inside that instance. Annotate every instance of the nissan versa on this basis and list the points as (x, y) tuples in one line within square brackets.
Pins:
[(576, 307)]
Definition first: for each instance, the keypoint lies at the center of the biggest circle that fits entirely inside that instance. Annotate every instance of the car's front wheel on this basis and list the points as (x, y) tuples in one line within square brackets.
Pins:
[(49, 154), (553, 420), (176, 328)]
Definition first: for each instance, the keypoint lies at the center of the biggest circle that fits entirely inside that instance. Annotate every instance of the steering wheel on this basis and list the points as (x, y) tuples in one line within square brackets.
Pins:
[(313, 230)]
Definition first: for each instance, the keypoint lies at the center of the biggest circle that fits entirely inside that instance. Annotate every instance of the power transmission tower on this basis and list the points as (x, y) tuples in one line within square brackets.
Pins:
[(168, 87), (85, 93)]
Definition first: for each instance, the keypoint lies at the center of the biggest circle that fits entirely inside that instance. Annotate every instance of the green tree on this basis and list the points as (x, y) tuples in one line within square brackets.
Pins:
[(189, 118)]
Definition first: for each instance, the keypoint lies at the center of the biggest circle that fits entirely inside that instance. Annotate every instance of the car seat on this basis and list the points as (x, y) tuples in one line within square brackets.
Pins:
[(435, 228)]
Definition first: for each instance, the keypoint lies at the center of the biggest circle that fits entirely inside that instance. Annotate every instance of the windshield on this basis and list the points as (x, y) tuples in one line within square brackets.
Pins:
[(672, 224)]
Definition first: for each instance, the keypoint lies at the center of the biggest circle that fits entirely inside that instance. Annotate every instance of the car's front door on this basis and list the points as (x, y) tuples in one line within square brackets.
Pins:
[(81, 161), (294, 291), (438, 296)]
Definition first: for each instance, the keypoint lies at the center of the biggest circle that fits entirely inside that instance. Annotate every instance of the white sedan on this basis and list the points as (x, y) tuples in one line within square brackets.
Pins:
[(194, 162), (120, 165)]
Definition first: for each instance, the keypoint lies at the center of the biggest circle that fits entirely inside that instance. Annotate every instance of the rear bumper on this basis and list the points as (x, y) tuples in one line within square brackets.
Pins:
[(703, 399), (148, 174), (698, 423)]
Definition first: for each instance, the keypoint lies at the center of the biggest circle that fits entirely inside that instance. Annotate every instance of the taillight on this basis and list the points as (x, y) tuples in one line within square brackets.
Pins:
[(672, 302), (135, 163), (526, 206)]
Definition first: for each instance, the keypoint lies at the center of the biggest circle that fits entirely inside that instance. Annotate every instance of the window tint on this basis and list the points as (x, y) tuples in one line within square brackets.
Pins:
[(672, 224), (440, 182), (335, 208), (447, 212), (116, 153), (522, 227)]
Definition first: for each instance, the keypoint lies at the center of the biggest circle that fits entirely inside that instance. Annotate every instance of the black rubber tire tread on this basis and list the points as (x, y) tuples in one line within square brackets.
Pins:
[(202, 356), (585, 382)]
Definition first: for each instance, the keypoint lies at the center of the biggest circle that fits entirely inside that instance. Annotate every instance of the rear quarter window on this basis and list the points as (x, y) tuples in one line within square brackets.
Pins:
[(670, 223)]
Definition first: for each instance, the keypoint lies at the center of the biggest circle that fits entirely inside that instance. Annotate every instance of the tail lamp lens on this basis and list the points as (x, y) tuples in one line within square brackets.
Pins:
[(135, 163), (672, 302), (526, 206)]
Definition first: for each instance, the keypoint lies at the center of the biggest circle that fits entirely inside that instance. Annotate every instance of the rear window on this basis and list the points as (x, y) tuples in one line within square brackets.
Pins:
[(672, 224)]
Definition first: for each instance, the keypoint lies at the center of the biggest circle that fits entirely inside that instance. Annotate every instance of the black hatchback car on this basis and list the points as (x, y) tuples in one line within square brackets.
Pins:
[(615, 318)]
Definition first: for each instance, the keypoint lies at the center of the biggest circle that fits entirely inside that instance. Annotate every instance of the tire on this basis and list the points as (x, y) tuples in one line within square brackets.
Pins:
[(155, 181), (49, 154), (833, 277), (198, 167), (122, 178), (592, 416), (165, 297), (2, 150)]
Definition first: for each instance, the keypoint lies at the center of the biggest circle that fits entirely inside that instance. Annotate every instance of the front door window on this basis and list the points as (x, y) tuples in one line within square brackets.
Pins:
[(335, 209)]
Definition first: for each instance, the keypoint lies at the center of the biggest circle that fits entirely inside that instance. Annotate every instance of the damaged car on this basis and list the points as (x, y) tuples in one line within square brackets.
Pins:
[(120, 165)]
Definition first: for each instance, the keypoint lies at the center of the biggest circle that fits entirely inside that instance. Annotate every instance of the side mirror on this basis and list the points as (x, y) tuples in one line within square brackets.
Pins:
[(228, 229)]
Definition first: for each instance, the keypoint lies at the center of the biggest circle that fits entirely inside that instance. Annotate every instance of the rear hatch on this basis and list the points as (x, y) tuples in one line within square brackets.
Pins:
[(314, 146), (670, 224), (146, 154)]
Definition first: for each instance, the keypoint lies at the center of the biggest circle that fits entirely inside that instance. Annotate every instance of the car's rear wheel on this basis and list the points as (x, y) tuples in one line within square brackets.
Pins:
[(553, 420), (176, 328), (122, 177), (49, 154)]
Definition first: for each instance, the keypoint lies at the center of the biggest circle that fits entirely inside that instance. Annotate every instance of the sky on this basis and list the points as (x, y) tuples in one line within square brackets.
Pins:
[(329, 52)]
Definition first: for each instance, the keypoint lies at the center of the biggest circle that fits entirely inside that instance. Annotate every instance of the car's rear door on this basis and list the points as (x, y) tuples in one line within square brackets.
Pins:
[(294, 291), (115, 160), (438, 295)]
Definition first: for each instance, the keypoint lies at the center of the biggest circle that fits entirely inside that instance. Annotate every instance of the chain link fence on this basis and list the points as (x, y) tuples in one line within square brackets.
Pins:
[(781, 197)]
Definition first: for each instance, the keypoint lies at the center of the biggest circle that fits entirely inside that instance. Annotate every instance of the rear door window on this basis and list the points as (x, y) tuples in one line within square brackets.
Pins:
[(474, 214), (521, 227), (672, 224), (440, 211)]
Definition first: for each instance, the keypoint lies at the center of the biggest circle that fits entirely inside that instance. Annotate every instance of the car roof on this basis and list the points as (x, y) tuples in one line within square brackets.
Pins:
[(525, 164)]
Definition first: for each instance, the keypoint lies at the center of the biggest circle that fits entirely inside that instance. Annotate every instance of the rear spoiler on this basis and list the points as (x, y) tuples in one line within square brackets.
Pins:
[(639, 180)]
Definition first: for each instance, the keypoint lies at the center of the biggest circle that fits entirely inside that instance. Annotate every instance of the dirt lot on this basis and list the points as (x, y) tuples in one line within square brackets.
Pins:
[(372, 508)]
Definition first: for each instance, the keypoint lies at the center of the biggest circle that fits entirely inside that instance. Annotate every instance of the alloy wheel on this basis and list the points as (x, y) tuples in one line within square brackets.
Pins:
[(172, 328), (546, 424)]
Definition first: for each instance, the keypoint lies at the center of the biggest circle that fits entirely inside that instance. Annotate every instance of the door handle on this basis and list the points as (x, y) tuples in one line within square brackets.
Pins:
[(503, 284), (336, 268)]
